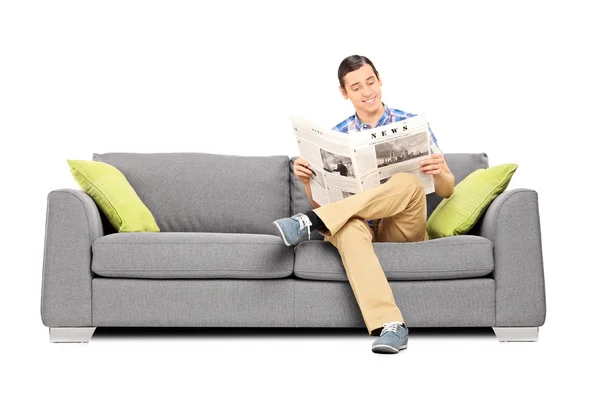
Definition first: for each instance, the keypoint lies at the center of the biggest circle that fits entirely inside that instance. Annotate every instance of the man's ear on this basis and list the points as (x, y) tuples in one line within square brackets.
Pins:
[(380, 81), (343, 92)]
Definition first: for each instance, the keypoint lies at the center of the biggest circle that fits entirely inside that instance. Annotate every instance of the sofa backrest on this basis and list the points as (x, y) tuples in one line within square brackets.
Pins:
[(461, 165), (201, 192)]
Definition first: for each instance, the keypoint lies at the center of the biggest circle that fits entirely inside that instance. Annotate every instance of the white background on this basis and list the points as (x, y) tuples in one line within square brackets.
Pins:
[(517, 80)]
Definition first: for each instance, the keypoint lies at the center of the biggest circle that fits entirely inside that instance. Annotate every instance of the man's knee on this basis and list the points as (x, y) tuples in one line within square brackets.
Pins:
[(405, 179), (354, 229)]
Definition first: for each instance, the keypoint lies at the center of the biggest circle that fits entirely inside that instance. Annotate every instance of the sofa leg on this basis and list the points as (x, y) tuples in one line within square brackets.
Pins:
[(517, 334), (71, 335)]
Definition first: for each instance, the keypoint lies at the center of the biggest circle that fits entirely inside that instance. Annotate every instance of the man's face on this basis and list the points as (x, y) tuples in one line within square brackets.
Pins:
[(363, 89)]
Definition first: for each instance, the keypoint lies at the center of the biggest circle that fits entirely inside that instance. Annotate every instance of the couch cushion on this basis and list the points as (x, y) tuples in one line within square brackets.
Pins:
[(176, 255), (200, 192), (461, 165), (113, 195), (445, 258), (457, 214)]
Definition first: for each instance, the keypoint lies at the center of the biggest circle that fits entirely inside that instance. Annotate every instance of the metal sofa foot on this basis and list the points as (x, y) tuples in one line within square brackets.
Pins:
[(71, 335), (517, 334)]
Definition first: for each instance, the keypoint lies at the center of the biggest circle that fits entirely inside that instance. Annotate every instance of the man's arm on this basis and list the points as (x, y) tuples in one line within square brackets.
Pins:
[(444, 182), (443, 179)]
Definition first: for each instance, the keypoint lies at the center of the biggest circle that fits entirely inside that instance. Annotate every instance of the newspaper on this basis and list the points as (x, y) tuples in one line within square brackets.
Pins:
[(344, 164)]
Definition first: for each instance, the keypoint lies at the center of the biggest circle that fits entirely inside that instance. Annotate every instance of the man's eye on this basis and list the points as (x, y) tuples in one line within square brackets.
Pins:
[(355, 89), (372, 82)]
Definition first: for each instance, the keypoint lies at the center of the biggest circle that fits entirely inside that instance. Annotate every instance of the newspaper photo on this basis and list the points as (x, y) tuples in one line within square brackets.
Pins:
[(344, 164)]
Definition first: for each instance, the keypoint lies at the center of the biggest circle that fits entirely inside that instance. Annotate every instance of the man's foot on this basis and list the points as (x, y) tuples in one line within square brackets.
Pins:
[(293, 229), (393, 338)]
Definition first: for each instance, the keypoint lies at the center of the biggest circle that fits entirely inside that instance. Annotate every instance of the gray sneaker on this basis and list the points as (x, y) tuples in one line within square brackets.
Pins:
[(293, 229), (393, 338)]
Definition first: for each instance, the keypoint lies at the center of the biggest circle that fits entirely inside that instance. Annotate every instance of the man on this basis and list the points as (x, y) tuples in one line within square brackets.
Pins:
[(395, 211)]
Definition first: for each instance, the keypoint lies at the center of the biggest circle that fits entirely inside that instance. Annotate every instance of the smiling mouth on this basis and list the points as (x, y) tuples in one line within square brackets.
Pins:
[(370, 101)]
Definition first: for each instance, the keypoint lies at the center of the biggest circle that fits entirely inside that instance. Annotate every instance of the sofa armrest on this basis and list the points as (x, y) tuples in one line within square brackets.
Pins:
[(512, 223), (73, 223)]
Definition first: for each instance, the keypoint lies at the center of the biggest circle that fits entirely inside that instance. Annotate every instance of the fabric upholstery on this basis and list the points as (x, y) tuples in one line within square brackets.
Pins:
[(436, 303), (283, 303), (457, 214), (73, 223), (113, 195), (203, 229), (512, 223), (447, 258), (201, 192), (193, 302), (185, 255)]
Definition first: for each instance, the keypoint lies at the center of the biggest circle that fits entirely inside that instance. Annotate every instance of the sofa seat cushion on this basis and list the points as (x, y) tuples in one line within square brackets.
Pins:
[(453, 257), (177, 255)]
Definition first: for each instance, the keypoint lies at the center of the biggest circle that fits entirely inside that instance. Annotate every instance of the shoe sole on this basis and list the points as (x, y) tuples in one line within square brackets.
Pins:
[(384, 348), (280, 233)]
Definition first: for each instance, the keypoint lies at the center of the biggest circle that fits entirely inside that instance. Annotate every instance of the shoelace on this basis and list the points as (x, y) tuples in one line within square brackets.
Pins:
[(390, 327), (304, 223)]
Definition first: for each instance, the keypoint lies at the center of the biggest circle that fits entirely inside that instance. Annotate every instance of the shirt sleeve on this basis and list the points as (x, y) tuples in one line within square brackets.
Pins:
[(433, 144)]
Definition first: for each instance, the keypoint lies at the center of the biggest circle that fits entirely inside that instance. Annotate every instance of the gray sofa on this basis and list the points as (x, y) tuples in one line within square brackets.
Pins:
[(217, 261)]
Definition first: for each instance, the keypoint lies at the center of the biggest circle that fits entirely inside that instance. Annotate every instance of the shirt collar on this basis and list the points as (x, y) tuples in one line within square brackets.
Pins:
[(384, 120)]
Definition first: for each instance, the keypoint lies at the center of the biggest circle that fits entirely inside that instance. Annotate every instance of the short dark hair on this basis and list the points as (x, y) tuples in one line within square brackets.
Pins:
[(352, 63)]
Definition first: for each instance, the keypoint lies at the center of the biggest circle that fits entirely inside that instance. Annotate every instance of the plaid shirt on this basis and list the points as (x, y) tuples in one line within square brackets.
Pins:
[(353, 124)]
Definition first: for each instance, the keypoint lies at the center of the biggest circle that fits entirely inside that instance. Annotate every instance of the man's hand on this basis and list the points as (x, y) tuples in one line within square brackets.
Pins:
[(434, 165), (301, 170)]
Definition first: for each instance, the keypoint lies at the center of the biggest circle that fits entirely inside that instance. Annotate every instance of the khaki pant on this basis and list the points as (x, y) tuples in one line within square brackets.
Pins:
[(399, 210)]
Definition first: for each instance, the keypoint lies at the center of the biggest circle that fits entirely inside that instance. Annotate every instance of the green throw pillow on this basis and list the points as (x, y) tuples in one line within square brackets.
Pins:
[(114, 196), (457, 214)]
